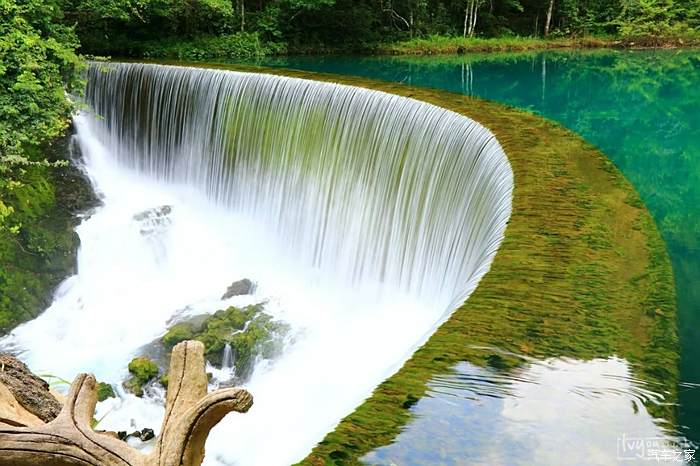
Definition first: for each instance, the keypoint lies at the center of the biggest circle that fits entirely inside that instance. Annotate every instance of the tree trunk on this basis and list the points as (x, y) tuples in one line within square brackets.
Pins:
[(242, 15), (472, 27), (466, 17), (69, 440), (548, 20)]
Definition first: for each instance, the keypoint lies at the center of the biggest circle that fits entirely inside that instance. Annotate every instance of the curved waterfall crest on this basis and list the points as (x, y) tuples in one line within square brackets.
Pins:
[(364, 186)]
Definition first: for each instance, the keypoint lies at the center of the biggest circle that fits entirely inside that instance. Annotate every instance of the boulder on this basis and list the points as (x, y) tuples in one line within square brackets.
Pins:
[(249, 331), (238, 288)]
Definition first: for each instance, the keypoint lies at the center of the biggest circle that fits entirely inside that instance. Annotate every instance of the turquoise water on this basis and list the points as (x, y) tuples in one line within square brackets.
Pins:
[(642, 108)]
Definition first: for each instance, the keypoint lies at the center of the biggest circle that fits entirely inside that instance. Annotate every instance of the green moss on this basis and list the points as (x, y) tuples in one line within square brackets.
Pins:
[(39, 245), (249, 331), (142, 370), (104, 391), (178, 333)]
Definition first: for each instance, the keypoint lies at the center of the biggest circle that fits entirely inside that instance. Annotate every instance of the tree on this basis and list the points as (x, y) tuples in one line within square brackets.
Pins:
[(470, 16), (548, 19), (38, 65)]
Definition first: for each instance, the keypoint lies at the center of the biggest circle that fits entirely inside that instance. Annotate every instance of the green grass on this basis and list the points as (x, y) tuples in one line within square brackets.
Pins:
[(456, 44), (451, 44), (582, 273)]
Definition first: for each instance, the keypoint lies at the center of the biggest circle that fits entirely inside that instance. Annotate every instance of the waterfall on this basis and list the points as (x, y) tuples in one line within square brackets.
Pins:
[(227, 357), (363, 186), (364, 218)]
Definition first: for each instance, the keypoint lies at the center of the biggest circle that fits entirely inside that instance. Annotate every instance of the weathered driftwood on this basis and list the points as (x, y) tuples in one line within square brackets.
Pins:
[(190, 414), (30, 391)]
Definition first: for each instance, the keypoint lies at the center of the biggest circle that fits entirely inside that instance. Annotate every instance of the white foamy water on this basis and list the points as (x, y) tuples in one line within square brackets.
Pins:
[(364, 219)]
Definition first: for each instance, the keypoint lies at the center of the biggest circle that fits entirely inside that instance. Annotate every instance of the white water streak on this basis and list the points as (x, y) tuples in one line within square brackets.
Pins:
[(363, 185)]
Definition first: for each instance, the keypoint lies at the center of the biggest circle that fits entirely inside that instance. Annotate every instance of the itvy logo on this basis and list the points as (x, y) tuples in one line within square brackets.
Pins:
[(656, 449)]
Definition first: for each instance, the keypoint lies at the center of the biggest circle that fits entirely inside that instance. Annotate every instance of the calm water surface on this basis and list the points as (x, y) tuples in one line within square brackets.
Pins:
[(640, 108), (551, 412)]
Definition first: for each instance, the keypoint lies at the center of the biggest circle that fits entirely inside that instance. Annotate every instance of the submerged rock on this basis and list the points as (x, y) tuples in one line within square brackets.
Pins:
[(30, 391), (238, 288), (154, 220), (142, 370), (155, 213)]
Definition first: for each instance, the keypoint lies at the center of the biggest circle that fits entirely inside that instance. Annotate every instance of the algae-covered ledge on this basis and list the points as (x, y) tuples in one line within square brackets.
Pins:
[(581, 273), (38, 248)]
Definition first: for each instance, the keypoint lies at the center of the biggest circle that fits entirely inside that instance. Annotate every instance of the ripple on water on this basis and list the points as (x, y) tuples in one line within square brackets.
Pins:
[(550, 412)]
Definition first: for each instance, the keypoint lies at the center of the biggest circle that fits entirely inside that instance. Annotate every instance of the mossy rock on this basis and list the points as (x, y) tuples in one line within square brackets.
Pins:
[(178, 333), (248, 330), (105, 391), (38, 243), (142, 370)]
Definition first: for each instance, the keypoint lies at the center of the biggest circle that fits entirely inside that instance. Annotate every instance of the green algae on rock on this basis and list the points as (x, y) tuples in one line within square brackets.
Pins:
[(249, 331), (142, 371), (39, 248)]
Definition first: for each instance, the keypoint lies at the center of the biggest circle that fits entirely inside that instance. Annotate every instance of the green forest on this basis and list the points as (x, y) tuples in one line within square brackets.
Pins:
[(209, 28)]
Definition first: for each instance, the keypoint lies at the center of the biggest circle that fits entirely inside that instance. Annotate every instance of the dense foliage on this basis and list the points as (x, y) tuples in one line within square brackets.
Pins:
[(243, 28), (38, 64)]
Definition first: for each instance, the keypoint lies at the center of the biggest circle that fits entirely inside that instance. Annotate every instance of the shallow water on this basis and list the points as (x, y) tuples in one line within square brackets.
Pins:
[(642, 108)]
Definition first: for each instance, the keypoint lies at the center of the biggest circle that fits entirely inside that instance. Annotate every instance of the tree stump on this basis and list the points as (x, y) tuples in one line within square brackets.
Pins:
[(190, 413)]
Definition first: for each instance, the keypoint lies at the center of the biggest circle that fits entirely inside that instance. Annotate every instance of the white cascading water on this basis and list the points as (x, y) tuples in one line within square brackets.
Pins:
[(365, 218)]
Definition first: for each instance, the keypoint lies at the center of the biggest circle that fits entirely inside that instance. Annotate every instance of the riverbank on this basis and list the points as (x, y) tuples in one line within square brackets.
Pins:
[(248, 47), (40, 249), (434, 45), (582, 273)]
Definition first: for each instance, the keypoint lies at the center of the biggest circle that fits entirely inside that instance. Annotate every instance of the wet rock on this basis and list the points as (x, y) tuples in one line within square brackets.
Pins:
[(155, 213), (154, 221), (147, 434), (250, 332), (144, 435), (142, 370), (238, 288), (43, 253), (30, 391)]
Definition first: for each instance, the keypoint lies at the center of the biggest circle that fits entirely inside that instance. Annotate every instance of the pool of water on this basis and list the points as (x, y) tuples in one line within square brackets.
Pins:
[(642, 108)]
